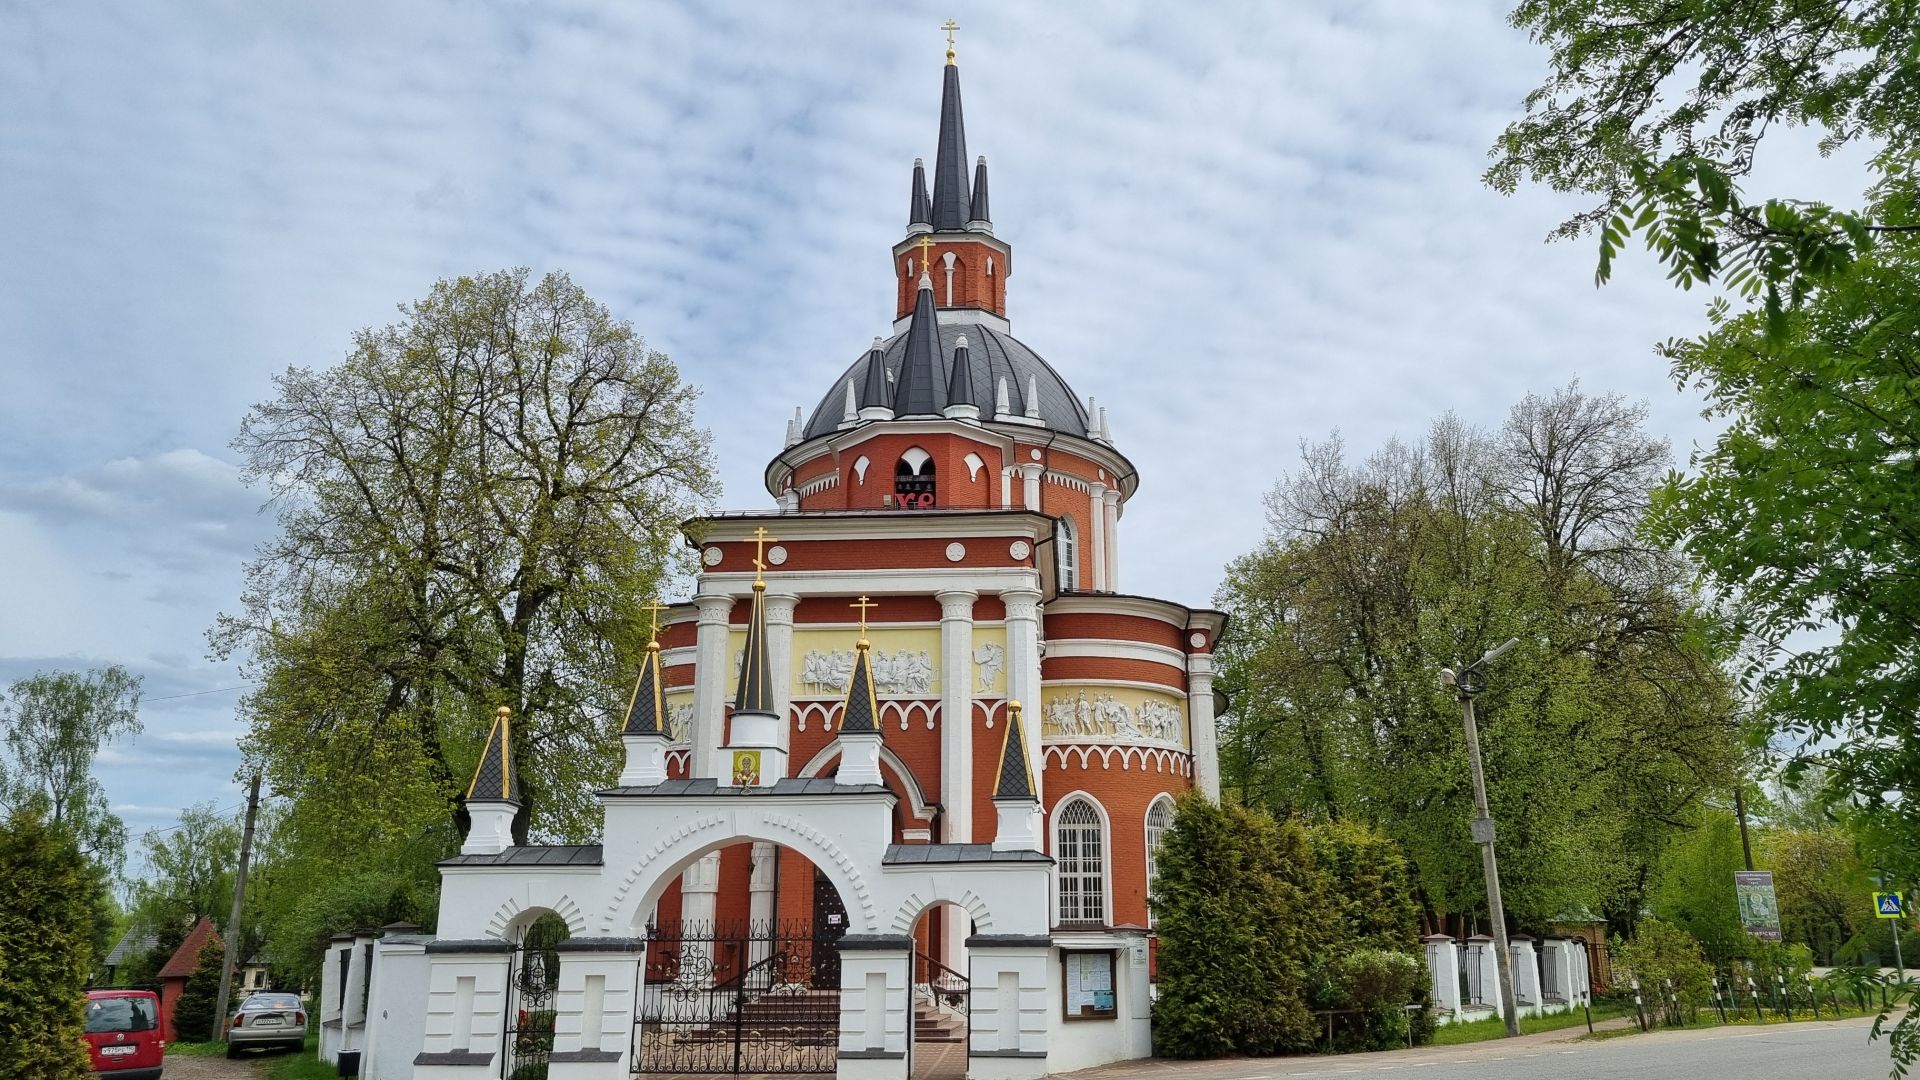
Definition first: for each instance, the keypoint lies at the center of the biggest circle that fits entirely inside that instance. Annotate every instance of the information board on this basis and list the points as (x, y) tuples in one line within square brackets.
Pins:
[(1759, 910), (1089, 984)]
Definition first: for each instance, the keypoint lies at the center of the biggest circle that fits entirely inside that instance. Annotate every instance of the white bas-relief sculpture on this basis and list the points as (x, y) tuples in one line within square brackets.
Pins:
[(1102, 717), (902, 672), (679, 722), (988, 659)]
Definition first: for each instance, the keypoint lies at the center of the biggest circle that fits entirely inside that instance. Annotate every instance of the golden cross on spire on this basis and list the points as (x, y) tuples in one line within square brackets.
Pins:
[(926, 258), (950, 28), (761, 538), (654, 607), (864, 605)]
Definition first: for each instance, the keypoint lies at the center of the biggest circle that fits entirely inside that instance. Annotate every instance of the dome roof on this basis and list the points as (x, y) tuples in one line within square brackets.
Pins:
[(992, 357)]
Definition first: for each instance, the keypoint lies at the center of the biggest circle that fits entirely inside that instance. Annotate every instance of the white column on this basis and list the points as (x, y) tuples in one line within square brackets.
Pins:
[(760, 900), (700, 905), (875, 1006), (956, 713), (1443, 963), (1097, 514), (1030, 473), (593, 1008), (1023, 670), (1112, 499), (710, 683), (779, 610), (1205, 741), (1526, 972)]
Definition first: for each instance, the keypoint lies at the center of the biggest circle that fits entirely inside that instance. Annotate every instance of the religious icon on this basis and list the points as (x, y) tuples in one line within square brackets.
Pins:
[(746, 768)]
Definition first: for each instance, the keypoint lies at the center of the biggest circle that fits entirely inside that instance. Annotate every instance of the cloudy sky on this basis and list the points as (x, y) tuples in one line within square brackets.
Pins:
[(1238, 225)]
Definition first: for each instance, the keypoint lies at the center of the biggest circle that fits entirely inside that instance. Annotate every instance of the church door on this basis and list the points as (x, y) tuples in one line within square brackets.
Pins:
[(829, 925)]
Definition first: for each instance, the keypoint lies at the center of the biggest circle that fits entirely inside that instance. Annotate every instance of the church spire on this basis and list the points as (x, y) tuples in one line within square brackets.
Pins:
[(961, 404), (951, 201), (978, 216), (918, 382), (647, 712), (919, 207), (1016, 777), (495, 779)]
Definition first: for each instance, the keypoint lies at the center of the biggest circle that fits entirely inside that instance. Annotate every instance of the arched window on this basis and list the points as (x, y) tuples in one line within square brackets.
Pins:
[(1069, 546), (1159, 819), (1079, 851), (913, 481)]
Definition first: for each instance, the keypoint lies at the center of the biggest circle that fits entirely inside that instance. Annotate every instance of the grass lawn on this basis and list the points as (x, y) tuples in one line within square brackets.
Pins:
[(301, 1066), (1493, 1027), (197, 1049)]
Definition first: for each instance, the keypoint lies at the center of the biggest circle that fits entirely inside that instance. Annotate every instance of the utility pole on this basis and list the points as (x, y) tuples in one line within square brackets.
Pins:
[(1468, 682), (1740, 811), (233, 921)]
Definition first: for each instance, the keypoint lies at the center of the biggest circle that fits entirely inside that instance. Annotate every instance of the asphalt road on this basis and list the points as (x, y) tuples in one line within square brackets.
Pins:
[(1801, 1051)]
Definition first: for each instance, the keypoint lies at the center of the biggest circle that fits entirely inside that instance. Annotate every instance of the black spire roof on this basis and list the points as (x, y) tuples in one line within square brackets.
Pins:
[(496, 780), (873, 386), (755, 694), (1016, 779), (916, 390), (646, 713), (920, 208), (863, 711), (995, 357), (960, 375), (979, 210), (950, 201)]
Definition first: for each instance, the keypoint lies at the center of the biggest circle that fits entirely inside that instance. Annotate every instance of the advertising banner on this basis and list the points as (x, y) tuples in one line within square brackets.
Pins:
[(1759, 910)]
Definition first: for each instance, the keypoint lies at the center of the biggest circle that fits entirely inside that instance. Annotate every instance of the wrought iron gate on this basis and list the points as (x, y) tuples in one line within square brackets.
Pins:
[(533, 974), (739, 998)]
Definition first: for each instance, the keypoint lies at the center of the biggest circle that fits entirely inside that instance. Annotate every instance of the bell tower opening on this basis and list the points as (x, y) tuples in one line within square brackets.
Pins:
[(913, 480)]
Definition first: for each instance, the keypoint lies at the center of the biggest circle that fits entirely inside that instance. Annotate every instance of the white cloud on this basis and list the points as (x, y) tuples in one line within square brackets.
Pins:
[(1238, 226)]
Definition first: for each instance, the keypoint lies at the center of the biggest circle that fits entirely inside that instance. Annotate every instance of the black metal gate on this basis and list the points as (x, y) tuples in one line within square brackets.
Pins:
[(739, 998), (533, 975)]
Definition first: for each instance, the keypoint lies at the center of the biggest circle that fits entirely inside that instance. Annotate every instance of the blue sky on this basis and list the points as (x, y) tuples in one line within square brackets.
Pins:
[(1237, 225)]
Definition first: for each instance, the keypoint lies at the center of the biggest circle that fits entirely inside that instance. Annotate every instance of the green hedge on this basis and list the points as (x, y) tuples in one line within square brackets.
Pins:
[(46, 950)]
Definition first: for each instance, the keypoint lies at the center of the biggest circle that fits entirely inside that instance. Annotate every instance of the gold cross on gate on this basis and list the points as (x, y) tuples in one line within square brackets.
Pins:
[(653, 608), (864, 605), (950, 28), (761, 538), (926, 260)]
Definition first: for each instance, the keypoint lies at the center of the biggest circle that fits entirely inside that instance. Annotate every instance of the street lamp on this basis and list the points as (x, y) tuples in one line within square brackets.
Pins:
[(1467, 682)]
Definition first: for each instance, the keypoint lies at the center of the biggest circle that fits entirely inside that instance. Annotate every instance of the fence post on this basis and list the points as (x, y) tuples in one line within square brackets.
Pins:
[(1813, 995), (1718, 1003), (1638, 1012)]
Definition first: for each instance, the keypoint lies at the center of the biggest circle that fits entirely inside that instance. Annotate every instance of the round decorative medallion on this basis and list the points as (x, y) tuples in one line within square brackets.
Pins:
[(776, 555), (1198, 641), (956, 551), (1034, 454), (711, 556), (1019, 549)]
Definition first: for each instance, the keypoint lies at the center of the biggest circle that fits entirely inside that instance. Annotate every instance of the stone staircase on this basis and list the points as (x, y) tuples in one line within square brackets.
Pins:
[(936, 1025)]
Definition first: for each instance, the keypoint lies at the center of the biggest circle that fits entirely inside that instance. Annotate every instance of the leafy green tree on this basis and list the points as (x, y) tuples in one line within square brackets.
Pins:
[(1370, 886), (46, 949), (1665, 959), (1600, 730), (1825, 894), (1693, 884), (193, 1019), (1236, 904), (472, 508), (189, 869)]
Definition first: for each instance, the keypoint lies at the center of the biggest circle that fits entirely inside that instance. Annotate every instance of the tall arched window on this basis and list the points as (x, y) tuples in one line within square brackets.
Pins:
[(1069, 546), (1159, 819), (1079, 851)]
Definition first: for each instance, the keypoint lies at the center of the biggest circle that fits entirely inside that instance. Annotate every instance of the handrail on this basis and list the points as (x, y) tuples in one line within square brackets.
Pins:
[(956, 985)]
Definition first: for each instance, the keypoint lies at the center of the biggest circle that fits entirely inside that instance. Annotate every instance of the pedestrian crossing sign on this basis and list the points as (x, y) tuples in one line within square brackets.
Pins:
[(1889, 905)]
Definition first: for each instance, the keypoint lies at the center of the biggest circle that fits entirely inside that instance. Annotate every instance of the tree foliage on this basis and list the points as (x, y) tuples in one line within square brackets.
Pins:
[(193, 1019), (53, 725), (46, 949), (1606, 724)]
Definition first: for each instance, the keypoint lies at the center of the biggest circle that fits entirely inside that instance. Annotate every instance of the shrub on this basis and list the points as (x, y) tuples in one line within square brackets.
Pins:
[(1666, 961), (1238, 901), (46, 950), (193, 1019), (1378, 984)]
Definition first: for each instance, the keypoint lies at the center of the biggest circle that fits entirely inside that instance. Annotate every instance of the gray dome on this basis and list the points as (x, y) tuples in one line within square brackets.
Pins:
[(992, 356)]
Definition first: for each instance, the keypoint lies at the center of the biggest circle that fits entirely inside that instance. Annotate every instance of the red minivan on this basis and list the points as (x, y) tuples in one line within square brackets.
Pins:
[(123, 1034)]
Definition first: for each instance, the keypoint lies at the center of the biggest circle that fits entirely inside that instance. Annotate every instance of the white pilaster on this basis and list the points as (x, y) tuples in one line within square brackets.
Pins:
[(1098, 515), (1526, 973), (760, 900), (1023, 670), (1200, 730), (593, 1009), (956, 712), (779, 611), (1112, 537), (1030, 473), (710, 683), (646, 763), (489, 826), (875, 1007), (700, 904)]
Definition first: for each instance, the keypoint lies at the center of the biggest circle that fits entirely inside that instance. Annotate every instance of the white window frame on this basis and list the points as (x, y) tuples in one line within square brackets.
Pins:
[(1067, 541), (1151, 848), (1105, 871)]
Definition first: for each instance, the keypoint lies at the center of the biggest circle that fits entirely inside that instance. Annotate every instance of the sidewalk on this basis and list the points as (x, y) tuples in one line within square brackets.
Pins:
[(1542, 1044)]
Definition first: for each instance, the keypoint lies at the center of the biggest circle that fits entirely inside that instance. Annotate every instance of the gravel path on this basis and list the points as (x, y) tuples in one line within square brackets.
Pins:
[(209, 1068)]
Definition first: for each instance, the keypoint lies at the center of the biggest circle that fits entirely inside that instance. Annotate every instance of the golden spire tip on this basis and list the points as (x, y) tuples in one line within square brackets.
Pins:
[(950, 27)]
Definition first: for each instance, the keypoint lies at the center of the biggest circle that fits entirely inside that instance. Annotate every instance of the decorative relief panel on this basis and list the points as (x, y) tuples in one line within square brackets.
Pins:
[(907, 672), (989, 659), (1096, 714), (679, 719)]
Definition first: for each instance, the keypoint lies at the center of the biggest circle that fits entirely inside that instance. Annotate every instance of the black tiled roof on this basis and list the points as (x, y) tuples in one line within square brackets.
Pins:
[(916, 385), (993, 358), (648, 707), (754, 693), (950, 197), (863, 711), (496, 779), (1016, 779), (910, 854), (534, 855)]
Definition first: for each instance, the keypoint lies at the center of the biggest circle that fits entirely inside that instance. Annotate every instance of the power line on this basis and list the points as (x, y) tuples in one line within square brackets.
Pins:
[(200, 693)]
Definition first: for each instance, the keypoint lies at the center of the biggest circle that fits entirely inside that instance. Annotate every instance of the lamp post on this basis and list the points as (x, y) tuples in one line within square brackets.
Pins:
[(1468, 682)]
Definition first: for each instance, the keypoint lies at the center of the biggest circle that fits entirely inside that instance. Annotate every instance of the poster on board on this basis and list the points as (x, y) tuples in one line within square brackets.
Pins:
[(1759, 910), (1089, 984)]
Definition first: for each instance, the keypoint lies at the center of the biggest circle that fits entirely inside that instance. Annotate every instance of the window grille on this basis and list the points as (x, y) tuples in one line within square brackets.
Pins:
[(1080, 864), (1068, 544)]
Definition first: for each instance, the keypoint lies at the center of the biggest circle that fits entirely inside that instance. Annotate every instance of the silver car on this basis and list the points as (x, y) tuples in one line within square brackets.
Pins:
[(268, 1018)]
